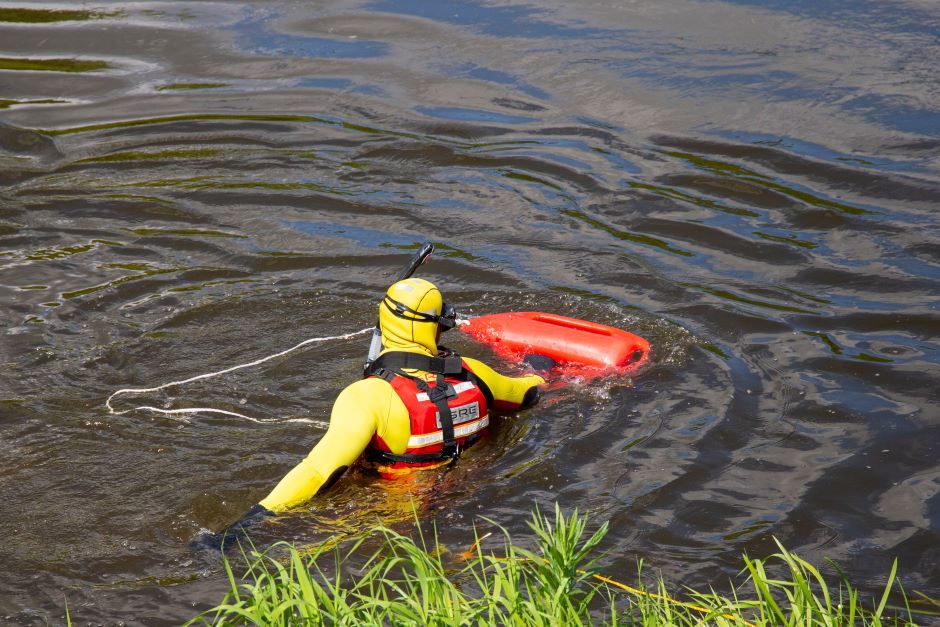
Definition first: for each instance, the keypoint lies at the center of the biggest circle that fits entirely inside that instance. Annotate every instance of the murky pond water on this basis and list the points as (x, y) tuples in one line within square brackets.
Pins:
[(752, 185)]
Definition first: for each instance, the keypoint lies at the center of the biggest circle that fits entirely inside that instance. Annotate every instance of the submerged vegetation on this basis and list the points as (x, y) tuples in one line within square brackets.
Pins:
[(410, 582), (52, 65), (45, 16)]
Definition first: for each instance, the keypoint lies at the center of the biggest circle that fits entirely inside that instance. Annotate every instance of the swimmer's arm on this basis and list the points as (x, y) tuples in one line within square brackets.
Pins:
[(353, 421), (357, 411), (509, 393)]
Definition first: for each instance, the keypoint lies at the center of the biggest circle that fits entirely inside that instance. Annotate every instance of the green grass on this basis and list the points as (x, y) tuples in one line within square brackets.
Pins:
[(409, 582)]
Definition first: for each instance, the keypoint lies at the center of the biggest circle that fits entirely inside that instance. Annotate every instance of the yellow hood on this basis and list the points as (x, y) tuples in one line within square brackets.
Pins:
[(405, 333)]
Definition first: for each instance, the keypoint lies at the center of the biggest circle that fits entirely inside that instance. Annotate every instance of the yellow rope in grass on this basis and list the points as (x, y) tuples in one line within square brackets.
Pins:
[(469, 553), (653, 595)]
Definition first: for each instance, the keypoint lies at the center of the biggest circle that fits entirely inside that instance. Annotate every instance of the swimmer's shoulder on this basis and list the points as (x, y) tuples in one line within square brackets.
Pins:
[(368, 391)]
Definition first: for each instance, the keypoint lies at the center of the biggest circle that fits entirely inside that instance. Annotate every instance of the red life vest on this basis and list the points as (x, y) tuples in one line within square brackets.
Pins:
[(447, 414)]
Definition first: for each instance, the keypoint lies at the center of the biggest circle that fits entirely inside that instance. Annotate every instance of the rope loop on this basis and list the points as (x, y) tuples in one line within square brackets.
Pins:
[(210, 375)]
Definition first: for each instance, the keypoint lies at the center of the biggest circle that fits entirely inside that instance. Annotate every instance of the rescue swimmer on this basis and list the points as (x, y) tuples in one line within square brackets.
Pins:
[(418, 406)]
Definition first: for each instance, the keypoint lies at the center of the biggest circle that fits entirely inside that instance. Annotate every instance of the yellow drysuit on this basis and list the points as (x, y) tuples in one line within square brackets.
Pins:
[(371, 406)]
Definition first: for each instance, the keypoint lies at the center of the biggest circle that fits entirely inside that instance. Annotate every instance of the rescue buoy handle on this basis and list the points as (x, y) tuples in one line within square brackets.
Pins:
[(572, 323)]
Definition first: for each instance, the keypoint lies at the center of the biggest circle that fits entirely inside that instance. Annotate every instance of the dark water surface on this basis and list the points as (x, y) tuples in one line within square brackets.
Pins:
[(752, 185)]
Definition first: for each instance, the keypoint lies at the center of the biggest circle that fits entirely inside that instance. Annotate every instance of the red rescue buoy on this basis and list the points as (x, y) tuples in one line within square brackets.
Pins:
[(568, 341)]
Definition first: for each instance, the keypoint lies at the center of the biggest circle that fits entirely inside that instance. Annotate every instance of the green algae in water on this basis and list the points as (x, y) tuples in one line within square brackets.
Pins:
[(48, 254), (834, 348), (528, 178), (6, 104), (731, 170), (815, 299), (51, 65), (624, 235), (755, 527), (120, 281), (197, 232), (633, 443), (872, 358), (786, 240), (45, 254), (457, 253), (668, 192), (136, 155), (175, 86), (47, 16), (714, 165), (731, 296), (711, 348), (209, 117), (134, 267)]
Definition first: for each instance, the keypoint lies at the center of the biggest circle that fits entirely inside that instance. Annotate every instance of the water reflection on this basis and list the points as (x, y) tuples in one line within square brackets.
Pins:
[(751, 186)]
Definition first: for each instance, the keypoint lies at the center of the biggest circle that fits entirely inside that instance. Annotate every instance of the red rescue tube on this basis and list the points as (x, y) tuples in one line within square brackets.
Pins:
[(568, 341)]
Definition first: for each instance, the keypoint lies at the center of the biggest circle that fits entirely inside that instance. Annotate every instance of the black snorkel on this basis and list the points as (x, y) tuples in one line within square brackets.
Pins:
[(420, 257)]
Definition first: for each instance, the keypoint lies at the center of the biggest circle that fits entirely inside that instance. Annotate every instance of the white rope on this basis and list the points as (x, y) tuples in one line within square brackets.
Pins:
[(209, 375)]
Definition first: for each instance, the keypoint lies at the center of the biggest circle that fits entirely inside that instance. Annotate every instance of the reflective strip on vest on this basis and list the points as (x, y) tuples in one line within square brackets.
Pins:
[(460, 387), (460, 431)]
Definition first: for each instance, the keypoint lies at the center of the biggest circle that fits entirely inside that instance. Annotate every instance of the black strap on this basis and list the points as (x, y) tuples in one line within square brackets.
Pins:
[(389, 365), (399, 360), (400, 309), (414, 458), (439, 397), (387, 456)]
